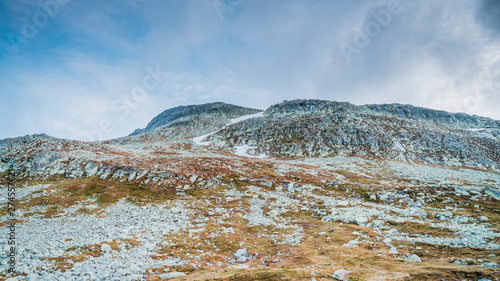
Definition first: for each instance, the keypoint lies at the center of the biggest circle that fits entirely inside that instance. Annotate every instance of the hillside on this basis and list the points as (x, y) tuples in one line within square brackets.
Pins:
[(298, 191)]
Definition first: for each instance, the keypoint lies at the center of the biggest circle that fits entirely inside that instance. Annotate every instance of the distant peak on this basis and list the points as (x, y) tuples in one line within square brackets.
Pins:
[(182, 115)]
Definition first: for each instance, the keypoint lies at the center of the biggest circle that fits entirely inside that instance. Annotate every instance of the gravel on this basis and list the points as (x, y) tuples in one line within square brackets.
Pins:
[(172, 275), (53, 237)]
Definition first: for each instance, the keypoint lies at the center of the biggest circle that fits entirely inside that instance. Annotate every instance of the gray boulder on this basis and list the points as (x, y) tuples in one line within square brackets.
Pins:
[(413, 258)]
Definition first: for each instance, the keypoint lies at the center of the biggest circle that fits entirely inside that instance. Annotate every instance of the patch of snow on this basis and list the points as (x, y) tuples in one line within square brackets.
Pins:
[(398, 146), (483, 132), (245, 117), (199, 140), (241, 150)]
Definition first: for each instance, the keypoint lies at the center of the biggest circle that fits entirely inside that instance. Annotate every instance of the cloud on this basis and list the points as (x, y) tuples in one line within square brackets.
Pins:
[(488, 14), (80, 70)]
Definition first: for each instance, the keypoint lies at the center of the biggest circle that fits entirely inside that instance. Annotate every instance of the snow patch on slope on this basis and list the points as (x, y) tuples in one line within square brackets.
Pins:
[(245, 117), (241, 150), (199, 140), (483, 132)]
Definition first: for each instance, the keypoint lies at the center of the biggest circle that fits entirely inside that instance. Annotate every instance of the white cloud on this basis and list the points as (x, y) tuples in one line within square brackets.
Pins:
[(262, 53)]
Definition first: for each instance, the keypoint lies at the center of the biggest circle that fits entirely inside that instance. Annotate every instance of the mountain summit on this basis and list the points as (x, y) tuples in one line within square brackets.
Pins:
[(193, 120)]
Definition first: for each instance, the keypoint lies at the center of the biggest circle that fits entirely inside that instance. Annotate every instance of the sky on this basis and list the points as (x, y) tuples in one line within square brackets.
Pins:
[(99, 69)]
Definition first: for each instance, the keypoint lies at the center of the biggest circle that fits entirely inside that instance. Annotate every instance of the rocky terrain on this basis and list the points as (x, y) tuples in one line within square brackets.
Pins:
[(316, 128), (298, 191)]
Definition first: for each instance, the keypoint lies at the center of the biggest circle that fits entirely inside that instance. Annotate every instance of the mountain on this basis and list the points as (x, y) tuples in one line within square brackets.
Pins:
[(193, 120), (224, 192), (316, 128)]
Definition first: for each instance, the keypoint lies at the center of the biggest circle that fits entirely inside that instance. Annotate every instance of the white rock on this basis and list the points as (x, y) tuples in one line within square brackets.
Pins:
[(490, 264), (175, 210), (413, 258), (32, 276), (361, 220), (384, 197), (134, 269), (171, 275), (341, 275), (193, 178), (393, 251), (241, 255), (377, 223), (105, 248), (352, 244), (342, 203)]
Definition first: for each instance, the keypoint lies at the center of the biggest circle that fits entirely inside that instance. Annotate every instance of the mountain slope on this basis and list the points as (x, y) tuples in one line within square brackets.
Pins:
[(193, 120), (184, 197), (317, 128)]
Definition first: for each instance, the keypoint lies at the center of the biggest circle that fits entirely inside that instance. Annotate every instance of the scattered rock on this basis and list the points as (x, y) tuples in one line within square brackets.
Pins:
[(460, 262), (105, 248), (384, 196), (352, 244), (490, 264), (171, 275), (413, 258), (241, 255), (193, 178), (341, 275), (393, 251), (361, 220), (493, 193)]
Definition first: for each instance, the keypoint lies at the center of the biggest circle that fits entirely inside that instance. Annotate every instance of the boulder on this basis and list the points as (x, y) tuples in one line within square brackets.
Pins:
[(413, 258), (490, 264), (105, 248), (361, 220), (241, 255), (341, 275)]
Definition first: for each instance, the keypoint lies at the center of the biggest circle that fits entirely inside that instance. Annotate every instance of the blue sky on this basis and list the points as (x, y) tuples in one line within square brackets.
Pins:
[(80, 69)]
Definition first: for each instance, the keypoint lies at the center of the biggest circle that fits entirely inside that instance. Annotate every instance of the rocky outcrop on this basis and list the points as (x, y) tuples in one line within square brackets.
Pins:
[(299, 128), (395, 110), (323, 128), (193, 120)]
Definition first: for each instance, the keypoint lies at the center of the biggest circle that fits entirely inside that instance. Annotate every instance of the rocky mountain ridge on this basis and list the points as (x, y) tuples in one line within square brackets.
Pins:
[(318, 128), (299, 128), (395, 110)]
